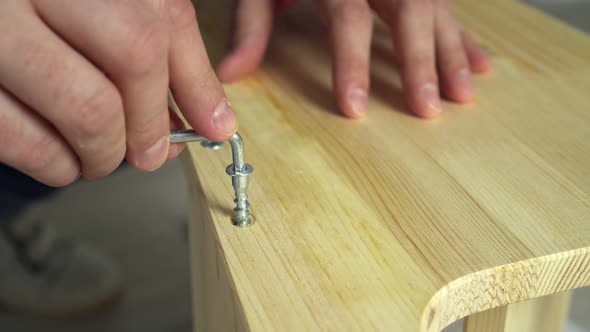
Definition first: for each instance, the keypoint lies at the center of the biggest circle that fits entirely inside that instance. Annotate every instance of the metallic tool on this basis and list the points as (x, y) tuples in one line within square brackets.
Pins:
[(238, 170)]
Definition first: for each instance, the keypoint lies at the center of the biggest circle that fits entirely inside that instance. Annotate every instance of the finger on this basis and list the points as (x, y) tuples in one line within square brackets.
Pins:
[(453, 66), (351, 24), (64, 88), (252, 31), (32, 146), (479, 61), (412, 24), (129, 42), (195, 86), (175, 124)]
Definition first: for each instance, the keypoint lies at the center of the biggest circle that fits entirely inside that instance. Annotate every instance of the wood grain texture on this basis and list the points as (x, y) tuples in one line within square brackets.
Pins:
[(544, 314), (396, 223)]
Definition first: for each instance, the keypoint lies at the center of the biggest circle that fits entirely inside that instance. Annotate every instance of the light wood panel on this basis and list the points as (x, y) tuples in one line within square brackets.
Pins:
[(392, 222), (544, 314)]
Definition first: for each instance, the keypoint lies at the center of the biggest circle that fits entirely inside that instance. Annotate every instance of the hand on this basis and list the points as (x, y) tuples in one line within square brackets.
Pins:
[(434, 53), (83, 85)]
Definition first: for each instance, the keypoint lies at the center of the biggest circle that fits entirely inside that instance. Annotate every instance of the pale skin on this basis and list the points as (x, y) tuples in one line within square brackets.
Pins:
[(83, 84)]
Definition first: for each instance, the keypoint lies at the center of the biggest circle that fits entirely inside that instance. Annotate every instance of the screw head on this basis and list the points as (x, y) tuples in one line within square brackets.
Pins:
[(231, 170)]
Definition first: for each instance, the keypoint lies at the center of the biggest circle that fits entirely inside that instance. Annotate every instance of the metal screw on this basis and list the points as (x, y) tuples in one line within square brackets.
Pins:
[(238, 170), (241, 216)]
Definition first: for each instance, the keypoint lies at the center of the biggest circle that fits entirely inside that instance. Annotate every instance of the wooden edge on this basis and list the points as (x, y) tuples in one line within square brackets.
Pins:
[(474, 293), (506, 284), (543, 314), (216, 306), (467, 295)]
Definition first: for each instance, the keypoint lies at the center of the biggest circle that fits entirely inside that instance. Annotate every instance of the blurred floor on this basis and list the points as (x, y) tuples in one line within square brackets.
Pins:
[(140, 219), (575, 12)]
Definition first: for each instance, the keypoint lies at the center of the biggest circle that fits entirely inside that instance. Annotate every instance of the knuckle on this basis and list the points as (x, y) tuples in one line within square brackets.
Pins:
[(353, 11), (420, 67), (450, 47), (95, 172), (146, 47), (423, 5), (108, 163), (10, 129), (208, 82), (181, 15), (143, 135), (41, 153), (98, 111), (418, 59), (454, 62)]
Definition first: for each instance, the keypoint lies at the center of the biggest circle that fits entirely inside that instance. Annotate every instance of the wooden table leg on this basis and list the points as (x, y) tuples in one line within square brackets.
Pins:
[(215, 307), (544, 314)]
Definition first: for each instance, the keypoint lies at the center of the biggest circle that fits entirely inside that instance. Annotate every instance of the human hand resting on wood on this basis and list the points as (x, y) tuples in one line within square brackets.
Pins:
[(434, 53), (83, 85)]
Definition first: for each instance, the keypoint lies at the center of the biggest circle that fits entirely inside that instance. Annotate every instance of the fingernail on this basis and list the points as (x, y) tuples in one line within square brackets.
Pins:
[(153, 157), (464, 81), (224, 119), (431, 98), (358, 99)]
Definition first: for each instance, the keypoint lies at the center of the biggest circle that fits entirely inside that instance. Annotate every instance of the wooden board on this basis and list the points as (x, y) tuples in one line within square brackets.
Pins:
[(392, 222)]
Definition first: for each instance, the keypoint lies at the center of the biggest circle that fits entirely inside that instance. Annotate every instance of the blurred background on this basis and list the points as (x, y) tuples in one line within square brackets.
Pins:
[(140, 220)]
